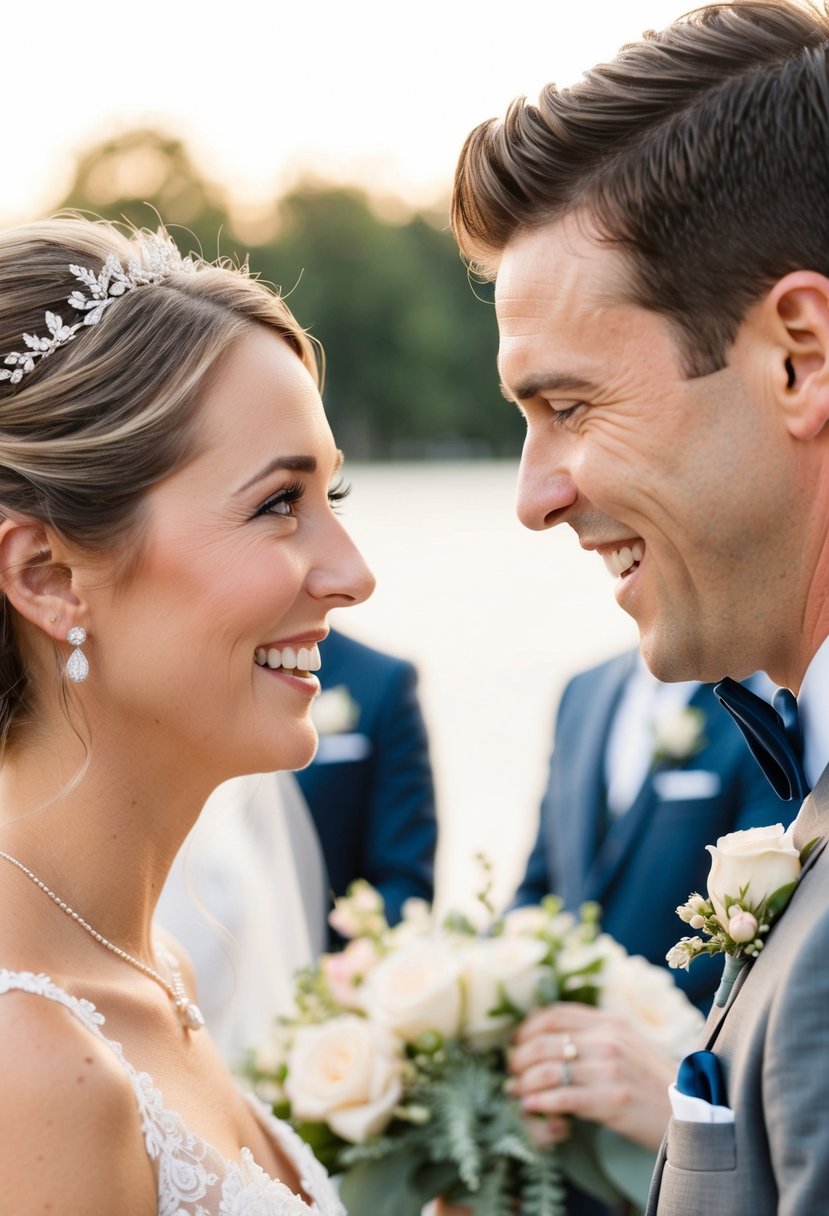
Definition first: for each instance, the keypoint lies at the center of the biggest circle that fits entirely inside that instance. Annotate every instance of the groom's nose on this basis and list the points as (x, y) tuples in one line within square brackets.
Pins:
[(546, 490)]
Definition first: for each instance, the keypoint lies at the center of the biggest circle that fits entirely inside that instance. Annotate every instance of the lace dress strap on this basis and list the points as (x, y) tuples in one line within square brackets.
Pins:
[(193, 1178)]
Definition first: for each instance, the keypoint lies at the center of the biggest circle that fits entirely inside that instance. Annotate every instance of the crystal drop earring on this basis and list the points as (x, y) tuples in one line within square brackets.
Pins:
[(77, 667)]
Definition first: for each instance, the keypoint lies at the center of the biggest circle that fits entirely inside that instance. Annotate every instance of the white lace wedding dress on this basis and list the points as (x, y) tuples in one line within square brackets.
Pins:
[(193, 1178), (253, 871)]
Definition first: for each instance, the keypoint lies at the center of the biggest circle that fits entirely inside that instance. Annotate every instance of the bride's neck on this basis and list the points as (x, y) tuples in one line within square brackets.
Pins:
[(99, 829)]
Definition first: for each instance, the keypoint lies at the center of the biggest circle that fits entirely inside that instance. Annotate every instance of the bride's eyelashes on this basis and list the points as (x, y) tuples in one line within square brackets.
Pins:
[(285, 500), (338, 493)]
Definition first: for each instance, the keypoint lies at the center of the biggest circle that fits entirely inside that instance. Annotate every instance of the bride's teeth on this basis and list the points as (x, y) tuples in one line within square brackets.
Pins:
[(306, 658)]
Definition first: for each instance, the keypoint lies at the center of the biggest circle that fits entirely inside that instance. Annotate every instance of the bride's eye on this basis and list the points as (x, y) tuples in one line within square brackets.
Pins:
[(283, 502)]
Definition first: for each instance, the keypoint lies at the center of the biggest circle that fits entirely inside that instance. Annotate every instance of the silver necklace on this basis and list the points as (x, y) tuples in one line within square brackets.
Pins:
[(189, 1013)]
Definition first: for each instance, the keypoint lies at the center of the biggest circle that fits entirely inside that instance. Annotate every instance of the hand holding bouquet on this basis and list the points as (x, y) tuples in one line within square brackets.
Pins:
[(394, 1067)]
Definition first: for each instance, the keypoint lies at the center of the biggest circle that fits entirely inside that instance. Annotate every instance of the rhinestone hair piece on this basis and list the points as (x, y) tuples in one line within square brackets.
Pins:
[(157, 259)]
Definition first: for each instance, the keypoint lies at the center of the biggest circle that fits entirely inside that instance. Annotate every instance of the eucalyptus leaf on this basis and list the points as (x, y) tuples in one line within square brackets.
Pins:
[(778, 900)]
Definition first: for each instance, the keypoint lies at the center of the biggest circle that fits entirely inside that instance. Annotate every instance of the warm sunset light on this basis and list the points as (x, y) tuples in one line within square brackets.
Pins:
[(365, 92)]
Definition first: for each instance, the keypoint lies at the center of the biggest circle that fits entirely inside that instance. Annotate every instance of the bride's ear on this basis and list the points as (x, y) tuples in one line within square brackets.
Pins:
[(34, 579)]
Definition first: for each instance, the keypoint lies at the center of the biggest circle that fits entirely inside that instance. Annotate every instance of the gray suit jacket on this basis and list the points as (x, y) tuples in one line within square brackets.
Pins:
[(772, 1039)]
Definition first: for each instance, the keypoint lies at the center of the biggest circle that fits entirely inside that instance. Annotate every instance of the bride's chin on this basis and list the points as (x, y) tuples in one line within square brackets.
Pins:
[(296, 752)]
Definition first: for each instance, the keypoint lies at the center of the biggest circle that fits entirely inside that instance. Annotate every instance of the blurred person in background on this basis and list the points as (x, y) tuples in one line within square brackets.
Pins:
[(642, 776), (370, 787)]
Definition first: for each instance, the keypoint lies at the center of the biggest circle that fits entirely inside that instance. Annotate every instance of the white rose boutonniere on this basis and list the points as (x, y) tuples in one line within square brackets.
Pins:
[(335, 711), (753, 876), (678, 736)]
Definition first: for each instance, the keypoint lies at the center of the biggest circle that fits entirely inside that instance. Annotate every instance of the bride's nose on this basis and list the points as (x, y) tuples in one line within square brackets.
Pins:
[(341, 574)]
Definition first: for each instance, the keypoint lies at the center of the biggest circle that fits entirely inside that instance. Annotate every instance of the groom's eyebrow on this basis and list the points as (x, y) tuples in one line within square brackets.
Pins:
[(551, 382)]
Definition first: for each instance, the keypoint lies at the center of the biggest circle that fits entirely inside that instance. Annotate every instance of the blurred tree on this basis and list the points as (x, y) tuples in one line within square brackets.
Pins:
[(133, 175), (410, 350)]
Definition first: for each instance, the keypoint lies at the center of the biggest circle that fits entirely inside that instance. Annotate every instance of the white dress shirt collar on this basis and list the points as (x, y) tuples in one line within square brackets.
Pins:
[(813, 710)]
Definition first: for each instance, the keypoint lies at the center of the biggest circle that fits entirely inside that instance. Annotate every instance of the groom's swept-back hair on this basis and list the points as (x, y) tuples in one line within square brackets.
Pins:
[(702, 151)]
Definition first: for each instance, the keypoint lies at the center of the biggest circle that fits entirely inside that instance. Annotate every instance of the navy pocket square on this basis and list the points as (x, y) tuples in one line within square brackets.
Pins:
[(700, 1076)]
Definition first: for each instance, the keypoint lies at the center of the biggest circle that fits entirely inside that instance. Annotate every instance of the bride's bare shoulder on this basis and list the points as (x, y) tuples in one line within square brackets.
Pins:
[(69, 1122)]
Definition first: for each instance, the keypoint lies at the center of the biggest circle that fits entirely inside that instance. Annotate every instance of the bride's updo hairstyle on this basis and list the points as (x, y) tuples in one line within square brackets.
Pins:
[(90, 427)]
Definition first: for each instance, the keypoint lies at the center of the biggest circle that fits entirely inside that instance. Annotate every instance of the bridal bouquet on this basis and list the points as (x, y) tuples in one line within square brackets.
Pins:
[(393, 1067)]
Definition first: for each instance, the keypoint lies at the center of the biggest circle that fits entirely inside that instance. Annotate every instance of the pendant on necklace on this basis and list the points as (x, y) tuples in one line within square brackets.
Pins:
[(190, 1016)]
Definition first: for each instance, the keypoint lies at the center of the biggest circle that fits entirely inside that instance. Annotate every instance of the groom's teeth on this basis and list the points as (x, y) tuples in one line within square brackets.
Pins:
[(261, 655), (620, 561), (274, 657)]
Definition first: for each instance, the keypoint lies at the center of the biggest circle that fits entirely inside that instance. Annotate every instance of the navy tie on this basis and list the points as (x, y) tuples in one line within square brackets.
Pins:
[(772, 733)]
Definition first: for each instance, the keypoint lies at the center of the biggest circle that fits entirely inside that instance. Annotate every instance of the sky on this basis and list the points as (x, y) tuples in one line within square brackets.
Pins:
[(373, 92)]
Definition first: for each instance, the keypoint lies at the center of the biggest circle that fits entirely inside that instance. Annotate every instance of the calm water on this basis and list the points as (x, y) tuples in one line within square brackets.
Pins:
[(496, 618)]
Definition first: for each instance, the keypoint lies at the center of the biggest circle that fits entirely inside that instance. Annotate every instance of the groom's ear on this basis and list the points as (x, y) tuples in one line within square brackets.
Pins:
[(35, 579), (794, 320)]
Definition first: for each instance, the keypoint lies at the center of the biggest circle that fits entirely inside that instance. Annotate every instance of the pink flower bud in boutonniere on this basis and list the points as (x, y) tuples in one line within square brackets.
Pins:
[(742, 926)]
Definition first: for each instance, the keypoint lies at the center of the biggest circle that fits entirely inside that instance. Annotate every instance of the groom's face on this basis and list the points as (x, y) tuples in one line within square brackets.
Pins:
[(680, 485)]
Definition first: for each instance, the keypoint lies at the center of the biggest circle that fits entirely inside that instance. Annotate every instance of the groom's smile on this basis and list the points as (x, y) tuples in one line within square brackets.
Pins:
[(680, 482)]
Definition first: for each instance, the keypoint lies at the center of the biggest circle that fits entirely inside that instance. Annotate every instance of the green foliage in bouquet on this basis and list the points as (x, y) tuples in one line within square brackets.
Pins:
[(394, 1065), (467, 1143)]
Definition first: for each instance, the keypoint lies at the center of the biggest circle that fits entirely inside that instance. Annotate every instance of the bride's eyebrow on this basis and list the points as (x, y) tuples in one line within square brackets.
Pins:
[(296, 464)]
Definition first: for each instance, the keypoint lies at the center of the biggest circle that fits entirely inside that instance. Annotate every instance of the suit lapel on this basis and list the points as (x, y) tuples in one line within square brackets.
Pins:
[(812, 819), (588, 827), (623, 831)]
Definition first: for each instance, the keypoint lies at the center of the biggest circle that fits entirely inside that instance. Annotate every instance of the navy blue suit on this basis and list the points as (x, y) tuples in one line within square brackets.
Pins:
[(650, 858), (372, 795)]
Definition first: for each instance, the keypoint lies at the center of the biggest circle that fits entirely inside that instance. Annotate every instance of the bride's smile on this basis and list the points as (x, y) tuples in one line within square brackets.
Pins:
[(226, 573)]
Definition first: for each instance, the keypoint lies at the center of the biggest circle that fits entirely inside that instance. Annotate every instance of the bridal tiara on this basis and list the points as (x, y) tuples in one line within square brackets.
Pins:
[(157, 259)]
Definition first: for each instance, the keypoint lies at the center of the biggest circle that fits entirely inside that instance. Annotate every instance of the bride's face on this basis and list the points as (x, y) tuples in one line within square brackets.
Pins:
[(241, 551)]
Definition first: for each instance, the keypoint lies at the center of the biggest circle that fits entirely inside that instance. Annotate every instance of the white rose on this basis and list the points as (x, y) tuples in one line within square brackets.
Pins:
[(649, 999), (346, 1073), (417, 988), (511, 964), (761, 859)]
